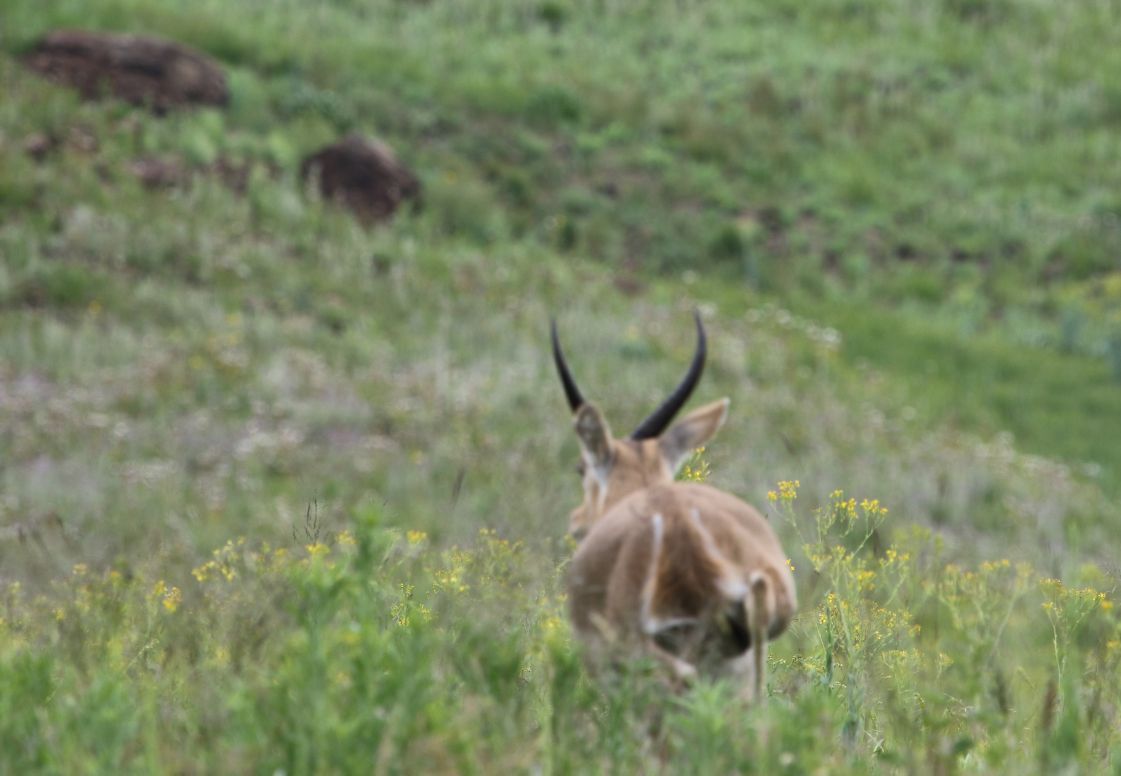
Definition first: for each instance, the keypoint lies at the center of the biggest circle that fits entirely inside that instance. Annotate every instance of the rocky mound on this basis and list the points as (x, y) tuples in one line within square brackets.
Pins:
[(363, 175), (143, 70)]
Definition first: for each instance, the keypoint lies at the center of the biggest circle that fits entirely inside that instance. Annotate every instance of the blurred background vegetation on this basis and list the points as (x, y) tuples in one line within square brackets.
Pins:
[(901, 220)]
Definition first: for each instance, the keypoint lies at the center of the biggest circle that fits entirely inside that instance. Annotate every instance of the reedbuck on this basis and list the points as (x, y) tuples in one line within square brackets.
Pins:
[(680, 571)]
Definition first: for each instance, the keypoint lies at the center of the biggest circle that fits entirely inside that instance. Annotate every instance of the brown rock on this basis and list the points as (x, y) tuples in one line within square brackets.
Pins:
[(143, 70), (364, 175)]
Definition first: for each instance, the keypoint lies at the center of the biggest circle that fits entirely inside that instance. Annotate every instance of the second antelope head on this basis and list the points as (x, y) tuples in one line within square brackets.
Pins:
[(683, 572)]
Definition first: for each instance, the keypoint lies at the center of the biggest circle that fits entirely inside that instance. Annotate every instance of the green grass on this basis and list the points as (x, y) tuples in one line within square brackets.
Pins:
[(785, 142), (898, 219), (375, 650), (1057, 405)]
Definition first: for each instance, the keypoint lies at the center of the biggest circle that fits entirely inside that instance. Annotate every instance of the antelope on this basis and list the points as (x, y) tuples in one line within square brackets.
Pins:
[(679, 571)]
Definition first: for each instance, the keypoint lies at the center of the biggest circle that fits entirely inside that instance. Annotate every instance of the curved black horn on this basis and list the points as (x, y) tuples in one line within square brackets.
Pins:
[(575, 400), (657, 422)]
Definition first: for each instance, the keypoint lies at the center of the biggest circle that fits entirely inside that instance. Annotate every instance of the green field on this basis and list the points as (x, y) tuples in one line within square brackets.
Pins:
[(282, 493)]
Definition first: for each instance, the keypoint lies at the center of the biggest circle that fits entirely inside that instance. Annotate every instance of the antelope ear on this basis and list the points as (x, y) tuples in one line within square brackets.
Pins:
[(691, 432), (595, 436)]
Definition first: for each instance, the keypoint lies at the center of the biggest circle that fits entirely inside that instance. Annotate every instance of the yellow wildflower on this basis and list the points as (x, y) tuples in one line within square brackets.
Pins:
[(872, 507), (172, 599), (696, 469), (864, 578)]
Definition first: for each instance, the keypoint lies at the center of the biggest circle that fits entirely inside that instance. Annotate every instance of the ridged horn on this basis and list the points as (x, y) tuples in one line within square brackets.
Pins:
[(661, 417), (571, 392)]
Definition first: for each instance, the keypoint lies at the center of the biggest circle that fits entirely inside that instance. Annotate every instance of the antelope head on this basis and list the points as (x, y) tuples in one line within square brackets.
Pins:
[(652, 454)]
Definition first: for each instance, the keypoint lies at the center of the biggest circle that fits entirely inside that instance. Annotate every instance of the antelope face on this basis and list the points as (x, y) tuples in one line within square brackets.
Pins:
[(611, 468)]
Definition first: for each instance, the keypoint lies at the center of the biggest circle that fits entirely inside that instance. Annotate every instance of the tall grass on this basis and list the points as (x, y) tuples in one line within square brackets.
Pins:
[(371, 648)]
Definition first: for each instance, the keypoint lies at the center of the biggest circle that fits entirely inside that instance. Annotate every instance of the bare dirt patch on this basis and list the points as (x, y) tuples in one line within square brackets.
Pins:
[(169, 172), (40, 145), (143, 70)]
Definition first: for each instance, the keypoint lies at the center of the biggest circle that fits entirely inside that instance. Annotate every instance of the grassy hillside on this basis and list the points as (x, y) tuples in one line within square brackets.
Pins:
[(281, 492)]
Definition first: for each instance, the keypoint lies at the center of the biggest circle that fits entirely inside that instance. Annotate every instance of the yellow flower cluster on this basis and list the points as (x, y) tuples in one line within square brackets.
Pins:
[(1075, 598), (452, 576), (169, 597), (696, 468), (893, 555), (221, 565), (865, 579), (403, 611), (787, 491), (872, 508)]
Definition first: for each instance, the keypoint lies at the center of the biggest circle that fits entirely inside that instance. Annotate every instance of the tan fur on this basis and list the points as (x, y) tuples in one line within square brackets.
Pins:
[(669, 569), (758, 613)]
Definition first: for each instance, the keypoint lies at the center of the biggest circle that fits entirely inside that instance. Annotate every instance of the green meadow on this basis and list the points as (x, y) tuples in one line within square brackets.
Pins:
[(282, 493)]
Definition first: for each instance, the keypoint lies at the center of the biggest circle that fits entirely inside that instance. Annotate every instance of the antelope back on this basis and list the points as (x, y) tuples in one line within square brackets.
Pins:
[(678, 560)]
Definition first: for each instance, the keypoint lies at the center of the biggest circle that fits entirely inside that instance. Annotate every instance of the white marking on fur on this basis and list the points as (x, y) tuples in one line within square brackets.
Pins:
[(732, 587), (600, 476), (601, 498), (650, 624), (684, 671)]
